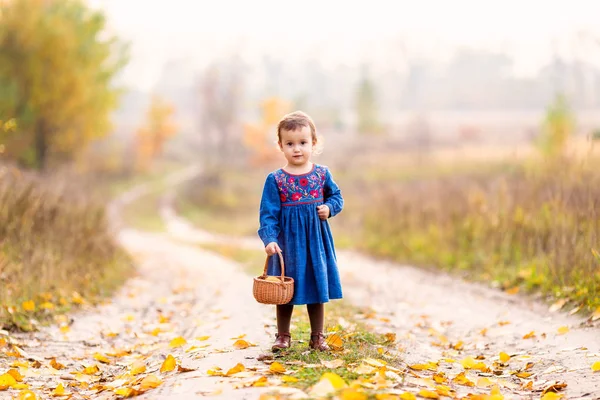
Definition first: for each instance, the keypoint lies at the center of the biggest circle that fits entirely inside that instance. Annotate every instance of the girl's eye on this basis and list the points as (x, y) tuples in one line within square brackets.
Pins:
[(289, 144), (303, 143)]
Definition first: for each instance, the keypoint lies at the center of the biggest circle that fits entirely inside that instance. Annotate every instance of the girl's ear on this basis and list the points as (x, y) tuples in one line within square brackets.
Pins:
[(279, 145)]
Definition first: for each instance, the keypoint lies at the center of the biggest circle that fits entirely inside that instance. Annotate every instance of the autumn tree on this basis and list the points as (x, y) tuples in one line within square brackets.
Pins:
[(57, 66), (259, 137), (158, 128), (366, 107), (558, 127), (221, 96)]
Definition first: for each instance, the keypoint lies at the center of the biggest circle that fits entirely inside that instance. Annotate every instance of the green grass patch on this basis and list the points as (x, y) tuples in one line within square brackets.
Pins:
[(215, 219), (112, 186), (143, 213), (225, 201), (359, 343)]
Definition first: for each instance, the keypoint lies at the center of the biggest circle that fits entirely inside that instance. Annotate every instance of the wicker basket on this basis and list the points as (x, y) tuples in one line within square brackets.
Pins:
[(275, 291)]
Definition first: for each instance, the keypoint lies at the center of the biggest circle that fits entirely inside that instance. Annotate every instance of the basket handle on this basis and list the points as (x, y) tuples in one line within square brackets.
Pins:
[(282, 266)]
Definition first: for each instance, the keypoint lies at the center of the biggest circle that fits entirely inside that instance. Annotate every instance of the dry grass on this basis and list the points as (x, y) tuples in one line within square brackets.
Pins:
[(537, 229), (55, 248)]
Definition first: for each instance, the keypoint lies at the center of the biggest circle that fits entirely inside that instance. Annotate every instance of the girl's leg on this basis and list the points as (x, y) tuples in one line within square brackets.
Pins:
[(316, 314), (284, 318)]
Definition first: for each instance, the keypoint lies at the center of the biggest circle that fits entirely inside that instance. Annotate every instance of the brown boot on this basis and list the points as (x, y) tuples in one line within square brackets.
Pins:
[(317, 342), (282, 341)]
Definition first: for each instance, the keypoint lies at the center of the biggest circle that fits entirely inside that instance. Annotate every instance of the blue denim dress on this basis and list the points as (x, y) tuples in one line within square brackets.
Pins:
[(288, 216)]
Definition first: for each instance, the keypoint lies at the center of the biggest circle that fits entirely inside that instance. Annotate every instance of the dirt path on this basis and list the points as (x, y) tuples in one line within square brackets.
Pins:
[(183, 291), (430, 312)]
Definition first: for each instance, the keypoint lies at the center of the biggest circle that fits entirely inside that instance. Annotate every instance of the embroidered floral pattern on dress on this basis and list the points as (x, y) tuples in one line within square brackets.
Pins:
[(301, 188)]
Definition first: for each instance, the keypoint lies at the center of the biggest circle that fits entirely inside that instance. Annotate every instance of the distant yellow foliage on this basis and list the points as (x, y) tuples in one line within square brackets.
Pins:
[(259, 137), (151, 137)]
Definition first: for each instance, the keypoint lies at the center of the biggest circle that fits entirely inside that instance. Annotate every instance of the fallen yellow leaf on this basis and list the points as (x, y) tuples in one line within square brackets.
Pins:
[(495, 394), (177, 342), (56, 365), (243, 335), (524, 375), (150, 382), (513, 290), (127, 392), (428, 394), (277, 368), (461, 379), (563, 329), (329, 383), (596, 315), (6, 381), (558, 305), (239, 367), (26, 395), (333, 364), (28, 305), (552, 396), (15, 374), (60, 391), (470, 363), (202, 338), (352, 394), (77, 299), (241, 344), (421, 367), (458, 346), (287, 379), (364, 369), (216, 371), (181, 369), (596, 366), (169, 364), (443, 390), (102, 358), (156, 332), (335, 342), (530, 335), (504, 357), (91, 370), (408, 396), (484, 382), (137, 368), (163, 319), (47, 305), (262, 381), (440, 378)]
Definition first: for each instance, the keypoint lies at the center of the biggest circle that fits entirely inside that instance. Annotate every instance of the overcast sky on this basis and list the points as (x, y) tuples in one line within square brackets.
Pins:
[(338, 31)]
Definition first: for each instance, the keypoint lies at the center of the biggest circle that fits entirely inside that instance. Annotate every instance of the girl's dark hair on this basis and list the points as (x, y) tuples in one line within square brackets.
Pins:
[(296, 120)]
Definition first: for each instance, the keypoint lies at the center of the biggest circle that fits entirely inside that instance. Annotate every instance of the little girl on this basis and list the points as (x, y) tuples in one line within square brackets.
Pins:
[(296, 202)]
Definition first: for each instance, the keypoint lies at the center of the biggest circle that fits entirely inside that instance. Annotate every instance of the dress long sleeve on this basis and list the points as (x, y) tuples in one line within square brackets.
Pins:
[(270, 209), (332, 195)]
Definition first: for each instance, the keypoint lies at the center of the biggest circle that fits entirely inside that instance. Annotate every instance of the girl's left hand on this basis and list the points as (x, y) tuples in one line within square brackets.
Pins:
[(323, 212)]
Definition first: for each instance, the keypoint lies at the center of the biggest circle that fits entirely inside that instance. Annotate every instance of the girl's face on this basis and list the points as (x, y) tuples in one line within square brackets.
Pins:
[(297, 146)]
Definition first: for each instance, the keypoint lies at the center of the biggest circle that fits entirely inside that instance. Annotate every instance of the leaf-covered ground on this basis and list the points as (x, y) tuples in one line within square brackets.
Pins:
[(187, 327)]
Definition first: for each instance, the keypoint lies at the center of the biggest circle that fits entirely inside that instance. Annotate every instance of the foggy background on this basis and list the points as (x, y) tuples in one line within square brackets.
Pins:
[(469, 70)]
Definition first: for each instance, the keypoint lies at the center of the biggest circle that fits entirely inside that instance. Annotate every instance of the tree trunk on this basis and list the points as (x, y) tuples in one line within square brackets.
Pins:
[(41, 144)]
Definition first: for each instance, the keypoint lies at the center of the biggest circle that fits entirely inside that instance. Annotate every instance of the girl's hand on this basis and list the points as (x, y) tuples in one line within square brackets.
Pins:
[(323, 212), (272, 248)]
